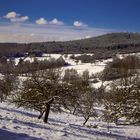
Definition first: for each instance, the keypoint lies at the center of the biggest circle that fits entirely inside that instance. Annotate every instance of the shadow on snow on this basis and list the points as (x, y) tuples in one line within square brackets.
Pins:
[(7, 135)]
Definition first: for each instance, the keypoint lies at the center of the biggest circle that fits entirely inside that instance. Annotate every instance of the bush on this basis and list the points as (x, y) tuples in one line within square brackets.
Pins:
[(119, 68)]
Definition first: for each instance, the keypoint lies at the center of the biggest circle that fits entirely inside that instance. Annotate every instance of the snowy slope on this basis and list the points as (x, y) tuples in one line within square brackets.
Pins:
[(18, 124), (80, 67)]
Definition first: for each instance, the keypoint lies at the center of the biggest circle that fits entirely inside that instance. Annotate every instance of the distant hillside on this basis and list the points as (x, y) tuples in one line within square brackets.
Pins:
[(112, 39), (103, 46)]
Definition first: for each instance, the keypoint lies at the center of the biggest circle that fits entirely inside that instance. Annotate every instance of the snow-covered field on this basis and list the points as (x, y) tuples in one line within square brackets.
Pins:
[(18, 124), (80, 67)]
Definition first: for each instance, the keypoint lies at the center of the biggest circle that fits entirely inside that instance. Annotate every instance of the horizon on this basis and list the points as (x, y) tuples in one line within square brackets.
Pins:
[(52, 20), (70, 40)]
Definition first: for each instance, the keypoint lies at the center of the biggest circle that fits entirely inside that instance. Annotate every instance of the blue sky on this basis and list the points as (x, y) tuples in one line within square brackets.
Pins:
[(66, 19)]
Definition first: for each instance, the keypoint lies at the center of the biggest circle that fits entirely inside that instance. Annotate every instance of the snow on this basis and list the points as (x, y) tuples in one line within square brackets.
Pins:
[(92, 68), (80, 67), (125, 55), (18, 124)]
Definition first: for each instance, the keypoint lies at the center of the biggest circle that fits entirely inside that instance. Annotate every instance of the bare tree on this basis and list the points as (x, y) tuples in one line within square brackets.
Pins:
[(122, 101), (88, 103), (40, 90), (8, 84)]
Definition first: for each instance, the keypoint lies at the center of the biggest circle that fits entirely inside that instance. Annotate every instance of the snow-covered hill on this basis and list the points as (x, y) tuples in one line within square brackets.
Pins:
[(18, 124), (80, 67)]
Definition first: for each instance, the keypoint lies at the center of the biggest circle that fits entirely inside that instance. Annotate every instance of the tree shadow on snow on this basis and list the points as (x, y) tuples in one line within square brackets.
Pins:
[(31, 115), (7, 135), (102, 134), (20, 112), (83, 130), (56, 121)]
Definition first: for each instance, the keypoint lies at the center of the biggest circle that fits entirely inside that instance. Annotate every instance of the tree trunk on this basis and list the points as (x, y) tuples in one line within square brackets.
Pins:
[(86, 121), (74, 110), (108, 128), (1, 99), (41, 114), (116, 121), (47, 113)]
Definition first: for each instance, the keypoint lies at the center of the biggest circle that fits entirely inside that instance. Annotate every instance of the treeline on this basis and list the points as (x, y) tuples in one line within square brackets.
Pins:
[(119, 68), (103, 47), (23, 67)]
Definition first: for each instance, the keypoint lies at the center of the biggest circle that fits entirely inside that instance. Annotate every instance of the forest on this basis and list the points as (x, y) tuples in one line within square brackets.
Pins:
[(103, 47)]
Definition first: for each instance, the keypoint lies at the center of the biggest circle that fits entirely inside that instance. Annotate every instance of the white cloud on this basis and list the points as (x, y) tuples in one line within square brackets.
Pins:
[(19, 19), (55, 21), (15, 17), (11, 15), (36, 33), (24, 18), (79, 24), (41, 21)]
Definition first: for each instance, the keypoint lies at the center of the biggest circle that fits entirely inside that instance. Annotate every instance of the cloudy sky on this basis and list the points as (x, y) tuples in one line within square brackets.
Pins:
[(49, 20)]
